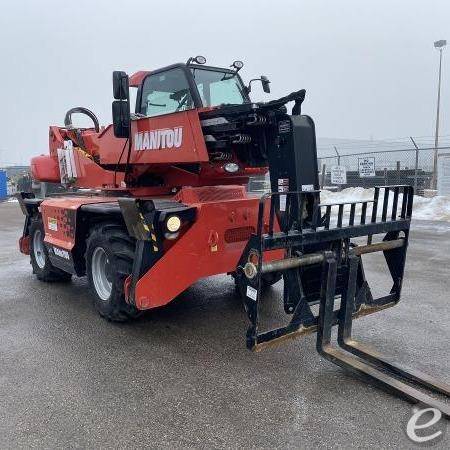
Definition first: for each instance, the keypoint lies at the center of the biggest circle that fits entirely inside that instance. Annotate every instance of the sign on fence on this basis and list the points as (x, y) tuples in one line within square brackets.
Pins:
[(338, 175), (443, 180), (366, 167)]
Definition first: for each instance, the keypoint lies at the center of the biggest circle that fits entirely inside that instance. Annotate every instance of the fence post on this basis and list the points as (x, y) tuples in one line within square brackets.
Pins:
[(398, 172), (385, 177), (416, 167), (338, 155), (322, 179)]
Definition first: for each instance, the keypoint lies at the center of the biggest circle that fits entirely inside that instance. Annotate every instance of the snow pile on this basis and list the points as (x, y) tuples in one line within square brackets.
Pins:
[(436, 208), (354, 194)]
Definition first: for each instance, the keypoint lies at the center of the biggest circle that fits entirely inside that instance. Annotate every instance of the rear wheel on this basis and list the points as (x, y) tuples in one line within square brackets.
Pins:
[(42, 267), (109, 261)]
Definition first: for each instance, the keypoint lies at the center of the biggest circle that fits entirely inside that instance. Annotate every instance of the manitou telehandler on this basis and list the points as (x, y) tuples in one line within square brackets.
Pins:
[(158, 200)]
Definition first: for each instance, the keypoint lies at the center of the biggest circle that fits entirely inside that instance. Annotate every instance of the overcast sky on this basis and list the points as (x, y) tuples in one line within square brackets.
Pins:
[(369, 67)]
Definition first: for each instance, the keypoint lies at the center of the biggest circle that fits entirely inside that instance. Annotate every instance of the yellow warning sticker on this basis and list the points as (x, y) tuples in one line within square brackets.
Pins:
[(52, 224)]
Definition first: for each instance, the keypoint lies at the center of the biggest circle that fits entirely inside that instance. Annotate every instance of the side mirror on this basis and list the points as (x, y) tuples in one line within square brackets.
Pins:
[(264, 81), (121, 106), (265, 84), (120, 85), (121, 118)]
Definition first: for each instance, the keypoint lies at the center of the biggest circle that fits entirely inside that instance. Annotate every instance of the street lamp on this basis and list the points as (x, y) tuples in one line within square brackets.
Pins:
[(440, 46)]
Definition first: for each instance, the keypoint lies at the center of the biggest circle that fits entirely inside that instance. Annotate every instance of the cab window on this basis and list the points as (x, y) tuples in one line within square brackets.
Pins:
[(217, 87), (166, 92)]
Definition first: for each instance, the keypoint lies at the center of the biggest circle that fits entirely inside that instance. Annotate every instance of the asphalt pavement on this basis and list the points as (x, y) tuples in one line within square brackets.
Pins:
[(181, 376)]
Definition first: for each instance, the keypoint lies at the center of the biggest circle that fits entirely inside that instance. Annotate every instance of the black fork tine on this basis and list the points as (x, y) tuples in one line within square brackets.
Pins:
[(379, 371), (385, 363), (381, 379), (325, 320), (382, 362)]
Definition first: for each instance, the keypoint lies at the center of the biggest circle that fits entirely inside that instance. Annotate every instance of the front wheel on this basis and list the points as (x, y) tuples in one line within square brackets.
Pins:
[(109, 261)]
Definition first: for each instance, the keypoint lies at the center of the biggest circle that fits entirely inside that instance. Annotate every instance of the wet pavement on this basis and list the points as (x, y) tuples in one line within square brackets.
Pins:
[(182, 377)]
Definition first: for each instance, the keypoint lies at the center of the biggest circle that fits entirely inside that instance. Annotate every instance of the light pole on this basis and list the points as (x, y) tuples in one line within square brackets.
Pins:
[(440, 46)]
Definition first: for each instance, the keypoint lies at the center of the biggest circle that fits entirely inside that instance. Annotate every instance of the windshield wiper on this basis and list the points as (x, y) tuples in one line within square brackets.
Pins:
[(229, 78)]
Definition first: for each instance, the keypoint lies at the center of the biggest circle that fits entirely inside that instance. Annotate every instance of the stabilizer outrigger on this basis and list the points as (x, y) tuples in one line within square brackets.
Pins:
[(323, 264)]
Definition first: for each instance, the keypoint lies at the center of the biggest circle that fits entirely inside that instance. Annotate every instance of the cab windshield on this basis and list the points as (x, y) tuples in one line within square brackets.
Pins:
[(219, 87)]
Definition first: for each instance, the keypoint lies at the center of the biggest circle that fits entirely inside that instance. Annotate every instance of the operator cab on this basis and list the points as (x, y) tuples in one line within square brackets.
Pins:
[(181, 87), (236, 131)]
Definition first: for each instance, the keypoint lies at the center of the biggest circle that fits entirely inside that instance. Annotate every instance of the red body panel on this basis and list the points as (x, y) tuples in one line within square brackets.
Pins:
[(212, 245), (45, 168), (207, 248), (191, 149), (153, 149), (91, 175), (24, 244), (59, 218), (136, 79)]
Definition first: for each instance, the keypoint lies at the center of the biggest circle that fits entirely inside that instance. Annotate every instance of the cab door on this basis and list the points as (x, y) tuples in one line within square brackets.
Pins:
[(170, 132)]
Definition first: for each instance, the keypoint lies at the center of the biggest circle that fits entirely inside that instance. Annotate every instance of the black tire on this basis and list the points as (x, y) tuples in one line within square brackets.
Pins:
[(110, 241), (42, 267)]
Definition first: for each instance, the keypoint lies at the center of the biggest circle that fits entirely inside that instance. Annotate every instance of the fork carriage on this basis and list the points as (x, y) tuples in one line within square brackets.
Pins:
[(322, 264)]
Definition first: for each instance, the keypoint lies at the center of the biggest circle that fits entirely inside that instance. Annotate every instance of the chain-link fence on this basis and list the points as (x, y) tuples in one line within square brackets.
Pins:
[(410, 166), (414, 167)]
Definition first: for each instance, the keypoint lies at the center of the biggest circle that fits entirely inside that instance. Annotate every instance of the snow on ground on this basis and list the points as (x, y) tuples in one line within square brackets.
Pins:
[(12, 200), (436, 208)]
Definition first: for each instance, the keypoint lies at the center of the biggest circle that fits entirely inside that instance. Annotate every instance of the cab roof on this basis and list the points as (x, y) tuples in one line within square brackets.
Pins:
[(136, 79)]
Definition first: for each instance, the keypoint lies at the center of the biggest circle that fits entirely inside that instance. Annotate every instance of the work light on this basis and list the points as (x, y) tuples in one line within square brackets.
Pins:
[(173, 224), (231, 167), (238, 65), (200, 59)]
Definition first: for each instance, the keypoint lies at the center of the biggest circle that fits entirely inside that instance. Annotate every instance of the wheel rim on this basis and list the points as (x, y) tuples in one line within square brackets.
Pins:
[(100, 279), (38, 249)]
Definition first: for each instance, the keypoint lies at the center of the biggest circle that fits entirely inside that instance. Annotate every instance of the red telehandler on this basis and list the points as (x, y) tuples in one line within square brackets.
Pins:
[(158, 200)]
